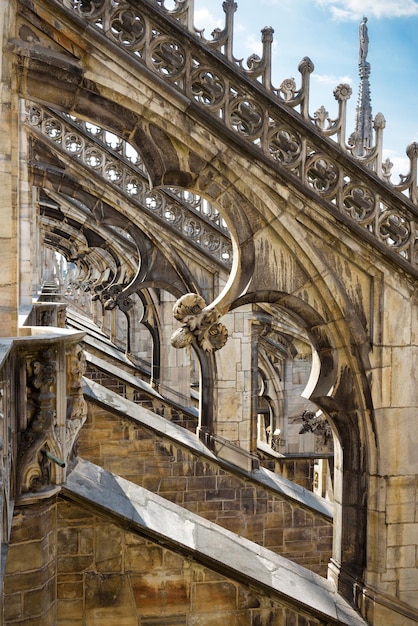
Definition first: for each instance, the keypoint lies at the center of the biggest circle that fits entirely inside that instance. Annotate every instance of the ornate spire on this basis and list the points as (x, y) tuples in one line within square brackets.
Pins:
[(363, 135)]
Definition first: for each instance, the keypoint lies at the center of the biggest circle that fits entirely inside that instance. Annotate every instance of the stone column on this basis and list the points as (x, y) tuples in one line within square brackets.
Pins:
[(8, 176), (28, 231), (30, 590), (175, 364), (235, 419), (392, 541)]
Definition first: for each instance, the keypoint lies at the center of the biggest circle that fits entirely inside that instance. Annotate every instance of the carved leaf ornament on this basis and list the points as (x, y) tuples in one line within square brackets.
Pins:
[(199, 325)]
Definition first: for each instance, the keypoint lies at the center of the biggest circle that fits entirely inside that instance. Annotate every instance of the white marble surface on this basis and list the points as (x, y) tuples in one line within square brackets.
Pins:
[(154, 516)]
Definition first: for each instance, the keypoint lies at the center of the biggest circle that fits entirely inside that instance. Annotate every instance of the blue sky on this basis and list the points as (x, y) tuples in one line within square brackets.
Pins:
[(327, 32)]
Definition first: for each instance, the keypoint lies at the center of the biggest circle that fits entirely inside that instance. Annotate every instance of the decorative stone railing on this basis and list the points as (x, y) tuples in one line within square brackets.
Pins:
[(246, 103), (47, 313), (114, 160)]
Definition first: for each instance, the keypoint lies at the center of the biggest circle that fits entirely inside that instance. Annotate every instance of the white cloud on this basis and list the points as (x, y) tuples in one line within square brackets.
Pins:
[(203, 19), (254, 45), (330, 79), (401, 165), (356, 9)]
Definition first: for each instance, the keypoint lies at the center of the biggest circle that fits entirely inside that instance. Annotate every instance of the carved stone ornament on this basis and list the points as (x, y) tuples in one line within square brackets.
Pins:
[(241, 105), (318, 425), (76, 404), (35, 470), (199, 325)]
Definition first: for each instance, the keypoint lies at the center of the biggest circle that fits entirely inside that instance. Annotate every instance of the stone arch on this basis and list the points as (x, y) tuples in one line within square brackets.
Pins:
[(63, 183), (338, 386), (342, 369)]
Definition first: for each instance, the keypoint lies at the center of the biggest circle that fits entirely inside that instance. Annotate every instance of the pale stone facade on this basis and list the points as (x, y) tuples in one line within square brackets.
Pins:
[(165, 174)]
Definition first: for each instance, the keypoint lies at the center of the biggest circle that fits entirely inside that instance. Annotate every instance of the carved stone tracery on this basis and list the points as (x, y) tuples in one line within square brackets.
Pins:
[(257, 114), (120, 165)]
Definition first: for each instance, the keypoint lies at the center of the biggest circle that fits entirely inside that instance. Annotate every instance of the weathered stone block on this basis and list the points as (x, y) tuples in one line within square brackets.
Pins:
[(38, 601), (70, 590), (13, 609), (143, 558), (273, 537), (297, 534), (212, 597), (68, 540), (108, 553), (26, 555), (73, 563), (401, 557), (402, 534), (108, 600)]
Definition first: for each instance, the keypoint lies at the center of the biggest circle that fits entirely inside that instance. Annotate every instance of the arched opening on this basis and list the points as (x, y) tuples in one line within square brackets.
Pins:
[(349, 544)]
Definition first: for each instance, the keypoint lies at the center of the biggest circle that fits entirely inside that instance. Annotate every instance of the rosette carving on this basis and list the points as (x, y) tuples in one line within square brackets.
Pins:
[(287, 89), (199, 325), (342, 92)]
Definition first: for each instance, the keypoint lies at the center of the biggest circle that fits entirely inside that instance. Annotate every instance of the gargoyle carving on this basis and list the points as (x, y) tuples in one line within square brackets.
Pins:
[(316, 424), (199, 325)]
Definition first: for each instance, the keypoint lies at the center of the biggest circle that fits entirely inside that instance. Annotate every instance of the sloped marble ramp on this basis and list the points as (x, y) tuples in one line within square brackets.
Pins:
[(154, 517)]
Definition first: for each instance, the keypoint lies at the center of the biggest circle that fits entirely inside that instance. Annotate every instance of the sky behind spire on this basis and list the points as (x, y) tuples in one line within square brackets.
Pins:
[(327, 32)]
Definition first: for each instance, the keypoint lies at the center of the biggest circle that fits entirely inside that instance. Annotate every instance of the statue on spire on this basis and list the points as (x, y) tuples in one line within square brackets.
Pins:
[(362, 138), (364, 41)]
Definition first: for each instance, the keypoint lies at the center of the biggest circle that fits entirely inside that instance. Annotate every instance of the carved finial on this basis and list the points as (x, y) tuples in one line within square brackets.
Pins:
[(306, 66), (199, 325), (379, 121), (412, 150), (229, 6)]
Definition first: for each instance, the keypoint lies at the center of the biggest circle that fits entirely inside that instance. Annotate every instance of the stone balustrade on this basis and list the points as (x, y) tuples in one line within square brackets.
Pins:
[(245, 106), (114, 160)]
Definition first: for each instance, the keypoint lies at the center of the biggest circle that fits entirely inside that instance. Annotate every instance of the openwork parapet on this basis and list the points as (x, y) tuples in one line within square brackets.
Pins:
[(114, 160), (244, 99)]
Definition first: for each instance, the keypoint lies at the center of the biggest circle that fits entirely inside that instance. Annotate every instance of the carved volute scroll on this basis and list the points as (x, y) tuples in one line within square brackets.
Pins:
[(199, 324)]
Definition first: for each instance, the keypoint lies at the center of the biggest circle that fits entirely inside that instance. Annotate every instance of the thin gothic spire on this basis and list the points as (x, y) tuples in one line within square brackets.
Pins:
[(363, 135)]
